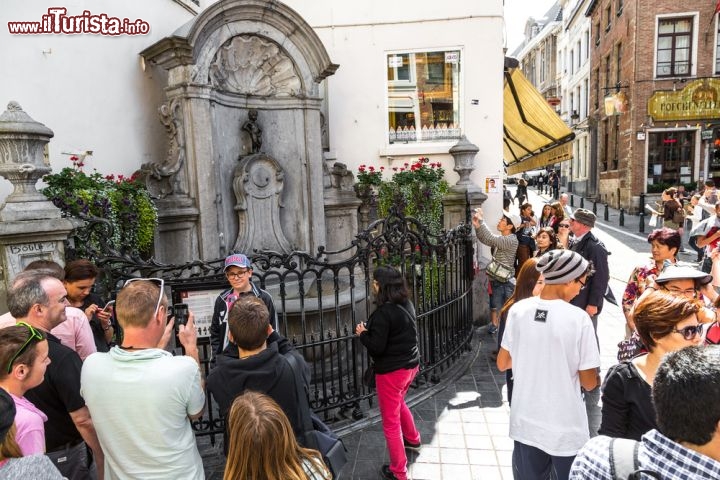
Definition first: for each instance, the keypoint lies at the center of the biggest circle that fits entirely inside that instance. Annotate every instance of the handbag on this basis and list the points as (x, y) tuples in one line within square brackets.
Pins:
[(316, 434), (631, 348), (498, 272), (369, 375)]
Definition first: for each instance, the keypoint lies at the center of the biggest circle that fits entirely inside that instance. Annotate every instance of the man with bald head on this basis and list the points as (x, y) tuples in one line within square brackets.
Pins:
[(39, 299)]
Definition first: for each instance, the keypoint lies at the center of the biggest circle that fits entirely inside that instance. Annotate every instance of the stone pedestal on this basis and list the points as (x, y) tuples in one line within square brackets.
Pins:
[(32, 228)]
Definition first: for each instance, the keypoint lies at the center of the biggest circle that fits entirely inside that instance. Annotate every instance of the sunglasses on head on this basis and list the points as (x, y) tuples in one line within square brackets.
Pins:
[(34, 335), (157, 281), (690, 332)]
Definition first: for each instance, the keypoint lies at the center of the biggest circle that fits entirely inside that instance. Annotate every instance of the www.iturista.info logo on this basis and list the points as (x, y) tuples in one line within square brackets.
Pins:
[(57, 21)]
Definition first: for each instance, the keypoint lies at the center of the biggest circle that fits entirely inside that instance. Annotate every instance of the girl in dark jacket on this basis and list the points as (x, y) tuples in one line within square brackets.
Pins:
[(390, 337)]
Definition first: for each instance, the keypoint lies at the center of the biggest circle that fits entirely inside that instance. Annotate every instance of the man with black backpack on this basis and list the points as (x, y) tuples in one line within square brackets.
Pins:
[(686, 444)]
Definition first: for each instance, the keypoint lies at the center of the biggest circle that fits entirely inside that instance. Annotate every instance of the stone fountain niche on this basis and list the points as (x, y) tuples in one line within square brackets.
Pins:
[(244, 168)]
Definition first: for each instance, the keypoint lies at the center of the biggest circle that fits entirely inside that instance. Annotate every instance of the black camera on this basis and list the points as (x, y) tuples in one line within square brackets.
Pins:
[(180, 313)]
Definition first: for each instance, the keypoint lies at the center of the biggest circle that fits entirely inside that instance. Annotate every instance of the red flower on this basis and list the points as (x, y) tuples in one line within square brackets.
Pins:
[(74, 158)]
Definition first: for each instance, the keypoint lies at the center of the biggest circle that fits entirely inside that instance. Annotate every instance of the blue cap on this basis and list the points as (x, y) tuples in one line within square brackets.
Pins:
[(237, 260)]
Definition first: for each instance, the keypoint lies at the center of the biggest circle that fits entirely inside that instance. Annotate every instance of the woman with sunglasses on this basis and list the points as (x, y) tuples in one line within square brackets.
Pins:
[(665, 323), (80, 277), (558, 215), (23, 360), (563, 233), (13, 464)]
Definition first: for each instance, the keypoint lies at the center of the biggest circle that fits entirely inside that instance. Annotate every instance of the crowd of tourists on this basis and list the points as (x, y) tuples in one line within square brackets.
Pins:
[(546, 292)]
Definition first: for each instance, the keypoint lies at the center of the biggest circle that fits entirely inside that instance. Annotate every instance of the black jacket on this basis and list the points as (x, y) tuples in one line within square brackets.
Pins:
[(218, 325), (627, 408), (267, 372), (594, 251), (391, 338)]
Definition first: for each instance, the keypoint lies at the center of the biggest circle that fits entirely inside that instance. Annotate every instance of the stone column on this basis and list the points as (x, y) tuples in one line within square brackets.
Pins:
[(462, 196), (32, 227)]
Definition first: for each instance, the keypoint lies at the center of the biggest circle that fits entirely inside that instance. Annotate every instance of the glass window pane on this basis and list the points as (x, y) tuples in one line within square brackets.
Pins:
[(666, 27), (682, 42), (683, 26), (682, 55), (664, 43), (424, 96), (664, 56)]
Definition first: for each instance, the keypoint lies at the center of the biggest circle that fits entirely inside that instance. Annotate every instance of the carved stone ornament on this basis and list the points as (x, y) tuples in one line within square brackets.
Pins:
[(160, 177), (258, 185), (249, 65)]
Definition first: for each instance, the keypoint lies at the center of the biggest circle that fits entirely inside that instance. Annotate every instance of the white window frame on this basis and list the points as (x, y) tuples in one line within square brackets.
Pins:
[(696, 26)]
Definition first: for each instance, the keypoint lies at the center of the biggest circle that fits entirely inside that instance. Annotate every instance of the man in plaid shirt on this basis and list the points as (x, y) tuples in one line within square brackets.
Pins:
[(686, 444)]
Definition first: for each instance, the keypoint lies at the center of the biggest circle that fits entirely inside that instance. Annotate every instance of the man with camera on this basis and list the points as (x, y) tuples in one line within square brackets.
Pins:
[(141, 397)]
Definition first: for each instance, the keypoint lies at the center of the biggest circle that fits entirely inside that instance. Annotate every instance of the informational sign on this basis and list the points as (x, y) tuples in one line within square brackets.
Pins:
[(395, 61), (492, 184), (706, 134), (452, 57), (202, 304)]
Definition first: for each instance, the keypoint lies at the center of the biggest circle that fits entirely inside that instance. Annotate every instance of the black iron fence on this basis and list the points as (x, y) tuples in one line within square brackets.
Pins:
[(320, 298)]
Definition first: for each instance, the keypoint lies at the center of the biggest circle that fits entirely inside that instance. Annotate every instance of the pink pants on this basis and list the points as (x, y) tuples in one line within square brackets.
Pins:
[(397, 420)]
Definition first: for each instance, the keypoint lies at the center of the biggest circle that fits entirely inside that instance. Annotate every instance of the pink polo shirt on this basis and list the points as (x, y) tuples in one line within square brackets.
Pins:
[(29, 422)]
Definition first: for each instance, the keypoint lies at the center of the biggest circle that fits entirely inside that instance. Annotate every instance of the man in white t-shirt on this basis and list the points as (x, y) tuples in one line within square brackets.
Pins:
[(141, 397), (551, 347)]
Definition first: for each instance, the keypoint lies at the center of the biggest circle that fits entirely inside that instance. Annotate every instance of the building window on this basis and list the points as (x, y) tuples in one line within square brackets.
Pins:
[(674, 47), (608, 17), (717, 45), (618, 58), (670, 159), (596, 81), (542, 65), (572, 62), (423, 96), (619, 7), (607, 73), (578, 49), (587, 45), (605, 144), (597, 34)]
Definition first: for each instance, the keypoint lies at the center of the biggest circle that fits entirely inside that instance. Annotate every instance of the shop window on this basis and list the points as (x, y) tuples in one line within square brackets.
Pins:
[(717, 45), (423, 96), (674, 47), (670, 159)]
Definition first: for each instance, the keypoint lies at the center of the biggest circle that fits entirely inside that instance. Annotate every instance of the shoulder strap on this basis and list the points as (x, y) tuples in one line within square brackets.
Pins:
[(303, 403), (623, 458)]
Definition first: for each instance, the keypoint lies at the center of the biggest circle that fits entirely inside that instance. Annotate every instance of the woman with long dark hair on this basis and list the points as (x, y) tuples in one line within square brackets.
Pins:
[(80, 277), (529, 283), (262, 444), (391, 339)]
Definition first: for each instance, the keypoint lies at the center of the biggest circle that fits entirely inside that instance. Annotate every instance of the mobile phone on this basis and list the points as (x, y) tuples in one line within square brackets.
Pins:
[(108, 305)]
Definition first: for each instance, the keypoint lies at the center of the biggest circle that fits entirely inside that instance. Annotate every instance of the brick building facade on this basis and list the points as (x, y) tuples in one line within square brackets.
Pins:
[(656, 64)]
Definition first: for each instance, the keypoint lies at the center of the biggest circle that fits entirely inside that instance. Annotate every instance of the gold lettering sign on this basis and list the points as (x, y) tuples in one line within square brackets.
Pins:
[(697, 101), (549, 157)]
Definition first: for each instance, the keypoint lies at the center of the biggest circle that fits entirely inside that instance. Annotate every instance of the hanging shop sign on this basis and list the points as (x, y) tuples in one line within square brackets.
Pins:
[(699, 100), (616, 104)]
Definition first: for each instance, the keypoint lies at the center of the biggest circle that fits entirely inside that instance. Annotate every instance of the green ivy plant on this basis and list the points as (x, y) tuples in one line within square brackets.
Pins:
[(123, 201)]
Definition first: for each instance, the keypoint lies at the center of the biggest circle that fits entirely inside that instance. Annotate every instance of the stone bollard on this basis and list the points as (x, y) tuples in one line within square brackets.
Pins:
[(642, 202), (595, 207), (582, 202), (606, 213), (572, 200), (622, 217)]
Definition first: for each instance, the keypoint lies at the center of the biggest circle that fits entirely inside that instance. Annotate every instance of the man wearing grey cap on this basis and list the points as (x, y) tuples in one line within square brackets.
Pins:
[(592, 296), (551, 347)]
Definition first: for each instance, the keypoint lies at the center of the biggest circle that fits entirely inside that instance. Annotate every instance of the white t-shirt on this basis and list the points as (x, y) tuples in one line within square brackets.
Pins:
[(549, 342), (139, 402)]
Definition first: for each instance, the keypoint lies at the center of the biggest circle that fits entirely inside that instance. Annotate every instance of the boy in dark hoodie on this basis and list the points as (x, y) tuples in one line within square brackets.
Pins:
[(259, 364)]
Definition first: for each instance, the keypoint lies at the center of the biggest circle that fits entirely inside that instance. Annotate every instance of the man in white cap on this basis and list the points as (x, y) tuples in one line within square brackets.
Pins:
[(504, 247), (238, 270), (550, 346)]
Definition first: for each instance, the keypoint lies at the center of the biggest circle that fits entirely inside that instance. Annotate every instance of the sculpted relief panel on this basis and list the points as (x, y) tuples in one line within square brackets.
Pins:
[(250, 65)]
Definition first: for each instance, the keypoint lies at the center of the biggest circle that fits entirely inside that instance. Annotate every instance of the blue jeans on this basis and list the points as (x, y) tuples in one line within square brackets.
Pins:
[(501, 291)]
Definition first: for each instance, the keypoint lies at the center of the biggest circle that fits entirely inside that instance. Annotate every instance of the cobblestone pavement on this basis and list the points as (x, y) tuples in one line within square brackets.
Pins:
[(465, 427)]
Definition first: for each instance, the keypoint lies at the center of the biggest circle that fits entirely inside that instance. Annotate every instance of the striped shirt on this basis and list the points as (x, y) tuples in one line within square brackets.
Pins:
[(657, 453), (504, 246)]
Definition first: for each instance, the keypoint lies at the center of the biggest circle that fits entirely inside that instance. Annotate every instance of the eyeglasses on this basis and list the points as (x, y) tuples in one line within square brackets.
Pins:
[(564, 225), (34, 335), (237, 274), (690, 332), (690, 292), (158, 281), (582, 284)]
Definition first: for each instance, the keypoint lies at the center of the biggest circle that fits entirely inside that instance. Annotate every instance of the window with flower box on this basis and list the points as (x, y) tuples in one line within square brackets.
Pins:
[(423, 90)]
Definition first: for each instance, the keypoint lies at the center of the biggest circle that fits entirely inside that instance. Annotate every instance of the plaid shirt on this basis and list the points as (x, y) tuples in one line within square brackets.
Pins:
[(657, 453)]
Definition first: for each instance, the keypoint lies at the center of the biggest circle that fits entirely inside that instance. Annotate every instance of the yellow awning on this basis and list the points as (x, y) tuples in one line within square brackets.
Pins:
[(530, 127)]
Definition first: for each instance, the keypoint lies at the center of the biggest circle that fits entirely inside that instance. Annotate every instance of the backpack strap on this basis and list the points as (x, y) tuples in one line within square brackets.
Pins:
[(623, 458)]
